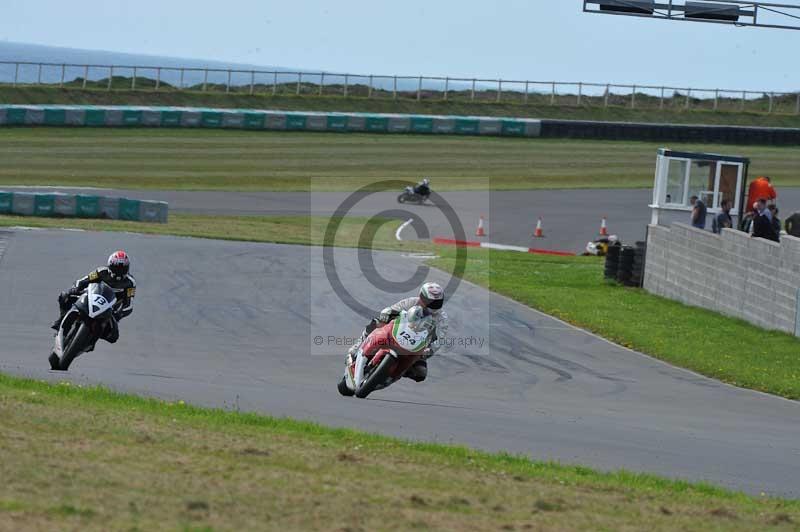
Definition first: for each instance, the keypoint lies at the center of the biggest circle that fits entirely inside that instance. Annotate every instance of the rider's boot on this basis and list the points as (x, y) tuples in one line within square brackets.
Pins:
[(418, 372)]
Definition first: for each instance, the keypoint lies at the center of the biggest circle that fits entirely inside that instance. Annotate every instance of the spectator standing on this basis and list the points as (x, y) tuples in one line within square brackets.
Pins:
[(776, 222), (792, 225), (723, 220), (761, 188), (698, 212), (762, 222)]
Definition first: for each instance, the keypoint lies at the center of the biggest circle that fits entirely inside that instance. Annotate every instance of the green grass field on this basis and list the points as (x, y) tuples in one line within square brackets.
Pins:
[(457, 105), (76, 458), (241, 160), (302, 230)]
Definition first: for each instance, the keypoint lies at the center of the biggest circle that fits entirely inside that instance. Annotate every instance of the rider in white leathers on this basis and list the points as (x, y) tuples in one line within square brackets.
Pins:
[(431, 297)]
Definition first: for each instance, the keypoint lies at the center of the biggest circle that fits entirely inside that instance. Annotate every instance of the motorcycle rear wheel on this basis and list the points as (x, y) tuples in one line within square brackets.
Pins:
[(401, 198), (376, 378), (75, 346)]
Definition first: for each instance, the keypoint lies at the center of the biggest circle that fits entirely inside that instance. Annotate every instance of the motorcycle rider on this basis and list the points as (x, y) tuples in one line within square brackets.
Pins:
[(116, 275), (423, 188), (431, 297)]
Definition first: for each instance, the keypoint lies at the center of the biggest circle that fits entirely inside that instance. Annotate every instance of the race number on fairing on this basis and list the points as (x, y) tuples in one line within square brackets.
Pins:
[(407, 337)]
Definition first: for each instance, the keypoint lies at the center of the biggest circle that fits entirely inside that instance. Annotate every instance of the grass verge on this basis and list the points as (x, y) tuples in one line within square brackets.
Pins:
[(92, 459), (175, 159), (573, 289), (303, 230), (539, 107)]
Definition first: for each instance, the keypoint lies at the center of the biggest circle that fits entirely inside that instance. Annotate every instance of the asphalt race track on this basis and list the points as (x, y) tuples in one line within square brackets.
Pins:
[(230, 324)]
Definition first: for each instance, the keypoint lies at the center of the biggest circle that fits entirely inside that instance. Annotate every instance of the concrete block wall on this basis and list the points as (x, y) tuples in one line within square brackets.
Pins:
[(749, 278)]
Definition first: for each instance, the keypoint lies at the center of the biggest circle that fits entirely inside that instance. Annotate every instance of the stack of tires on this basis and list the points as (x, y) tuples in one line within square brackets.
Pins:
[(637, 271), (625, 268), (625, 264), (612, 262)]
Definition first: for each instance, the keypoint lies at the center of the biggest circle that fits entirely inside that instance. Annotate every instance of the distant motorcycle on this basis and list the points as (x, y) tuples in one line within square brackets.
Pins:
[(82, 325), (387, 353), (410, 196)]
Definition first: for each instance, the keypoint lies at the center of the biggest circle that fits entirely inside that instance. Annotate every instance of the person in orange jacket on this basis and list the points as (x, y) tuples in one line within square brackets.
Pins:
[(761, 188)]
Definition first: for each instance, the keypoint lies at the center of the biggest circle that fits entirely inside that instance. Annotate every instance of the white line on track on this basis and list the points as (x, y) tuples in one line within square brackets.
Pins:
[(400, 229)]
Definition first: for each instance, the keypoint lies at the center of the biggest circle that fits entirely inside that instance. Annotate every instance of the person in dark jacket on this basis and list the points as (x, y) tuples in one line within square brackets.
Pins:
[(776, 222), (762, 222), (116, 275), (722, 220), (792, 224), (698, 212)]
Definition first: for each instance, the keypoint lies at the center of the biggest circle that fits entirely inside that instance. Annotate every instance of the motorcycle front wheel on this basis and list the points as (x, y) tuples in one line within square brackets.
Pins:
[(376, 378), (343, 389), (76, 346)]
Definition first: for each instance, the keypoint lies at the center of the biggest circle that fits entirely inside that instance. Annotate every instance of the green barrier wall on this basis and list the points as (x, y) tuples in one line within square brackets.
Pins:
[(119, 116), (87, 206), (55, 117), (82, 206), (6, 199), (129, 210), (43, 205)]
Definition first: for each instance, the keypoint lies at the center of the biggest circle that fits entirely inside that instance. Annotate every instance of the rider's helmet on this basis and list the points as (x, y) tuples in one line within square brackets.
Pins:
[(119, 264), (431, 296), (426, 181)]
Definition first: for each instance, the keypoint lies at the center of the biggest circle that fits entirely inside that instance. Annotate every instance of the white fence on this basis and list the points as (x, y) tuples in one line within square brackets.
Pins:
[(428, 88)]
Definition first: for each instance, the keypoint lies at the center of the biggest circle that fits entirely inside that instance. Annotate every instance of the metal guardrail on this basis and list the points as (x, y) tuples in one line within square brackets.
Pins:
[(428, 88)]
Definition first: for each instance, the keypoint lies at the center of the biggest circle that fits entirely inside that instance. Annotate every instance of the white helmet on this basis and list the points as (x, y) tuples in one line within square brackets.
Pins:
[(426, 181), (431, 296)]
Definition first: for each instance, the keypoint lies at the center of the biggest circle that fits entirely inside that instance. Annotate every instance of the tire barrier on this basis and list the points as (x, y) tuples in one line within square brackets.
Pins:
[(625, 268), (57, 205), (118, 116), (637, 270), (670, 132), (612, 262), (625, 264), (254, 119)]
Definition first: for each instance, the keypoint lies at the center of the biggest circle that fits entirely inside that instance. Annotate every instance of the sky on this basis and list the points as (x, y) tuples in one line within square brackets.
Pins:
[(509, 39)]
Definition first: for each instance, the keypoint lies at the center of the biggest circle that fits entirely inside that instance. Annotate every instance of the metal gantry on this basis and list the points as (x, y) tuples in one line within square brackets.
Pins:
[(731, 12)]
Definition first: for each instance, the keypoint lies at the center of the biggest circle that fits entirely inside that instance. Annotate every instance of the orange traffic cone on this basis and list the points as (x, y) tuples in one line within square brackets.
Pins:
[(538, 233), (480, 231), (603, 228)]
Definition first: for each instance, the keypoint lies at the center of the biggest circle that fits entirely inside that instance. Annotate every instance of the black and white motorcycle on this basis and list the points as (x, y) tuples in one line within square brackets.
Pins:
[(83, 325), (410, 195)]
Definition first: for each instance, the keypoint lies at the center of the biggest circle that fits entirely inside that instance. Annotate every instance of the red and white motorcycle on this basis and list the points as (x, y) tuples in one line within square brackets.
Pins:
[(387, 353)]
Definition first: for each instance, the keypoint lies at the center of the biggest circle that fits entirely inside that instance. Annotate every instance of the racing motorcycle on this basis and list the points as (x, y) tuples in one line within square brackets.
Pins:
[(409, 195), (82, 325), (386, 354)]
